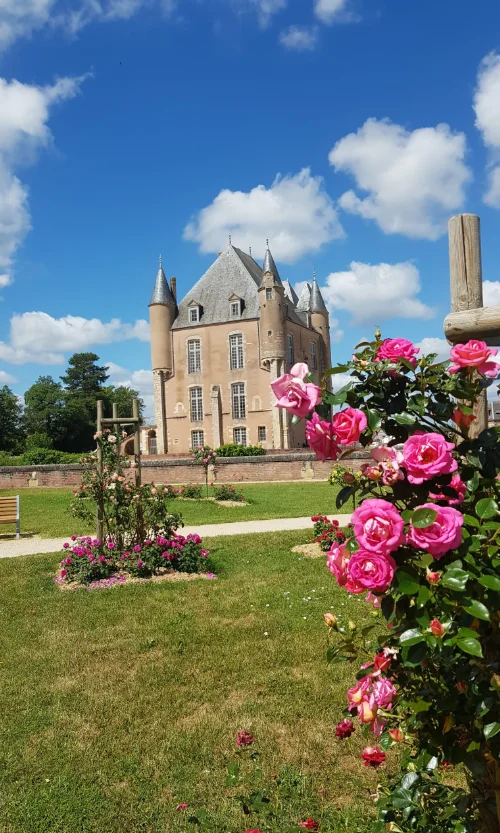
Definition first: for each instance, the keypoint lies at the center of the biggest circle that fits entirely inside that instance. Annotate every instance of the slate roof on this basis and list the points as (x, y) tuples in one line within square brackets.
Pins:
[(304, 304), (317, 302), (233, 273), (161, 292), (290, 292), (270, 266)]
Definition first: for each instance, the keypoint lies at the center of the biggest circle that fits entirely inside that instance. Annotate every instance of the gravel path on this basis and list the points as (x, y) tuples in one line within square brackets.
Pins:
[(38, 546)]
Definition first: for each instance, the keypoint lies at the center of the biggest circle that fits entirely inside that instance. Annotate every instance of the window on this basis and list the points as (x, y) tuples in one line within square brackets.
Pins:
[(269, 294), (236, 351), (196, 402), (197, 439), (240, 436), (269, 333), (238, 399), (194, 356), (290, 353), (262, 433), (194, 315), (314, 359), (235, 309)]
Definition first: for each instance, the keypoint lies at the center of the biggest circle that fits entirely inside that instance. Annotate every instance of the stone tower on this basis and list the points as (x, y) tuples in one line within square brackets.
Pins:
[(162, 309), (320, 321), (272, 337)]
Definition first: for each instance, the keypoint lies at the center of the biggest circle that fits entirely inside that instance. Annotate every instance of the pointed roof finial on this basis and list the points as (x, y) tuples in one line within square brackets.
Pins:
[(250, 251), (230, 239), (317, 302), (267, 242), (160, 263), (162, 293)]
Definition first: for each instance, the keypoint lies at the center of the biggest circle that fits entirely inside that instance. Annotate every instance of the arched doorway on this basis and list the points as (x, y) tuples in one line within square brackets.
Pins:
[(152, 447)]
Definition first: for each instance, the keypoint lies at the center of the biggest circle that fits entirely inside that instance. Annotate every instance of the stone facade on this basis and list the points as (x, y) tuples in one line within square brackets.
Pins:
[(215, 354)]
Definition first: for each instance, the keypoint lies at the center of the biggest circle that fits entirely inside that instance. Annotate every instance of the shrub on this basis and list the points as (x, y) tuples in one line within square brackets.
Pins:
[(326, 532), (228, 493), (47, 457), (38, 440), (235, 450), (190, 490), (6, 459)]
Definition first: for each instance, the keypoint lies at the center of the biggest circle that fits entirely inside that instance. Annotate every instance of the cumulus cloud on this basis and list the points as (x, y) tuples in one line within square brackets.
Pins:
[(412, 179), (24, 114), (295, 213), (6, 378), (139, 380), (34, 335), (487, 109), (300, 38), (435, 345), (329, 11), (375, 293), (491, 293)]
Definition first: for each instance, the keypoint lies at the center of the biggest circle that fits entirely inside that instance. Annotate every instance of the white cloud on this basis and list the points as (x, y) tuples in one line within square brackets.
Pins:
[(24, 113), (34, 335), (295, 213), (300, 38), (413, 179), (7, 379), (375, 293), (139, 380), (329, 10), (491, 293), (487, 109), (435, 345), (19, 18), (266, 9)]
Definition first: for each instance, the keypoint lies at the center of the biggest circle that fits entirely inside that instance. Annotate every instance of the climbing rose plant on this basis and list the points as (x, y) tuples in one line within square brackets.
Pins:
[(425, 549)]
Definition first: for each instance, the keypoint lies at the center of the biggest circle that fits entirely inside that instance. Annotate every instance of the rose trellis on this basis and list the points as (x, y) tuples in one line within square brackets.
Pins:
[(425, 549)]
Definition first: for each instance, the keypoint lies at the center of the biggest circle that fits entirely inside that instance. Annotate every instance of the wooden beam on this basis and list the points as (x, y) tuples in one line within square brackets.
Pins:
[(482, 323)]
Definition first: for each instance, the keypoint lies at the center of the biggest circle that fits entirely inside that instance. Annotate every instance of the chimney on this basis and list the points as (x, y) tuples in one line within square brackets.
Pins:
[(173, 287)]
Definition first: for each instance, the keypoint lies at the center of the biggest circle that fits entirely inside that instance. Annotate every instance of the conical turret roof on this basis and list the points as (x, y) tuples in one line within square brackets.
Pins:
[(317, 302), (162, 293), (304, 304), (270, 266)]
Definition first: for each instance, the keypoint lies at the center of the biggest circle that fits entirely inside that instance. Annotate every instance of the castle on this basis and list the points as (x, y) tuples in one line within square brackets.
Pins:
[(215, 354)]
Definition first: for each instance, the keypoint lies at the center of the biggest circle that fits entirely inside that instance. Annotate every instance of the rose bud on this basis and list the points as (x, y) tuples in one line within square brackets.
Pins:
[(433, 577), (330, 620), (396, 735), (437, 628)]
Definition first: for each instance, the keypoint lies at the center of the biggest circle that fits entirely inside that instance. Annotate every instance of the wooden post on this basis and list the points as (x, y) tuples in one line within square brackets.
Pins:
[(466, 285), (100, 507), (116, 426), (137, 442)]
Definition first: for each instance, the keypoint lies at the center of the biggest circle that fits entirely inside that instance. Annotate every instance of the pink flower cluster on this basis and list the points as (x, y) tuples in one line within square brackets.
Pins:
[(373, 692), (388, 468), (475, 354), (295, 394), (324, 437)]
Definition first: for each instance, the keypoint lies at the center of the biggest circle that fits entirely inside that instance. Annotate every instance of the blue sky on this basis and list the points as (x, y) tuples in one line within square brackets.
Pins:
[(122, 120)]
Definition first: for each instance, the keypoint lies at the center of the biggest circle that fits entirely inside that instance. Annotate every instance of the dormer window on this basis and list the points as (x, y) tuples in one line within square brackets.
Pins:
[(194, 314), (235, 309)]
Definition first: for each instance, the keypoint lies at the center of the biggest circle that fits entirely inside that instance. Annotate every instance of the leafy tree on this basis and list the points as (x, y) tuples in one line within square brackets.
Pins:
[(11, 421), (83, 375), (124, 398), (44, 410)]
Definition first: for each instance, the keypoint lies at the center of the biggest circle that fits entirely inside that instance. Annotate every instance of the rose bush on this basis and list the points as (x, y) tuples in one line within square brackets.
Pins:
[(425, 549)]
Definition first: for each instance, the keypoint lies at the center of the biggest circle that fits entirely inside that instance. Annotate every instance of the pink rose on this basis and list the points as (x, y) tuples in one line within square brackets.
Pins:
[(361, 691), (383, 692), (473, 354), (372, 756), (427, 455), (370, 571), (348, 425), (294, 394), (443, 535), (457, 484), (393, 349), (375, 601), (336, 562), (320, 438), (378, 526), (389, 461)]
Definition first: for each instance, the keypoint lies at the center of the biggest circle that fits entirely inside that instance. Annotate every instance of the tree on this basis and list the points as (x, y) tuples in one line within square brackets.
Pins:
[(44, 410), (11, 421), (124, 398), (83, 375)]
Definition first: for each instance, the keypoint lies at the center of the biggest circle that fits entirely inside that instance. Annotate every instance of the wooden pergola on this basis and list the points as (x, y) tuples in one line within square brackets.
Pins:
[(468, 317)]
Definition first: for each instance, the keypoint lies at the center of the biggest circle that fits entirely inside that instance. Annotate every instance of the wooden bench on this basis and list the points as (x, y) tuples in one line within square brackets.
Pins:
[(9, 512)]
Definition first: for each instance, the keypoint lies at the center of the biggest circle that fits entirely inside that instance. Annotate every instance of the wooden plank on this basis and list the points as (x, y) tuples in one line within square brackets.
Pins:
[(482, 323), (466, 276)]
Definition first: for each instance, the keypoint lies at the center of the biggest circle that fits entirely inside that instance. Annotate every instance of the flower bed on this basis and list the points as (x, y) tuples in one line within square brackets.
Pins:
[(224, 493), (93, 563), (327, 533)]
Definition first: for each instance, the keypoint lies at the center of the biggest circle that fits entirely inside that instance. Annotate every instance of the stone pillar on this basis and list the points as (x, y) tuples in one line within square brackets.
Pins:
[(276, 415), (160, 411), (285, 417), (215, 403)]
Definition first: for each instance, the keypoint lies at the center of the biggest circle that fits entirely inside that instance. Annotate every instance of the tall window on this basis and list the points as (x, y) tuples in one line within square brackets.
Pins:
[(235, 309), (240, 436), (194, 356), (269, 294), (262, 433), (238, 398), (196, 403), (290, 350), (197, 439), (194, 315), (236, 351), (314, 358)]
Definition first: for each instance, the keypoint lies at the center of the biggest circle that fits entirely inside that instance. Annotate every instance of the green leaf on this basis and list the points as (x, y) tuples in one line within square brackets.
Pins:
[(470, 646), (411, 637), (401, 798), (455, 579), (491, 729), (414, 655), (406, 515), (341, 368), (423, 518), (331, 653), (374, 419), (466, 633), (343, 496), (491, 582), (404, 418), (408, 584), (478, 610), (424, 594), (471, 520), (352, 545), (486, 508), (419, 706)]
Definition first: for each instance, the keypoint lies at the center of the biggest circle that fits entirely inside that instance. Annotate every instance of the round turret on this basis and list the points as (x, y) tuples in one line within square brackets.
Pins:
[(272, 313), (161, 317)]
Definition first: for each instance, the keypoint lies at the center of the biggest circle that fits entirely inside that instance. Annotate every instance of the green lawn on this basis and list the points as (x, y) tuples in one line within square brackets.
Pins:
[(45, 511), (117, 705)]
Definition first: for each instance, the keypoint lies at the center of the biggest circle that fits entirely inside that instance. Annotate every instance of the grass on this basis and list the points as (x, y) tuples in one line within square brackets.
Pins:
[(46, 512), (117, 705)]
